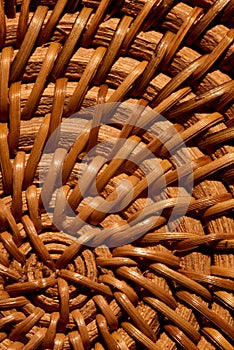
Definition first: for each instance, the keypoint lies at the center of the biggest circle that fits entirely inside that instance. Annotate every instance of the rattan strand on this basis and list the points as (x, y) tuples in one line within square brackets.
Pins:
[(171, 287)]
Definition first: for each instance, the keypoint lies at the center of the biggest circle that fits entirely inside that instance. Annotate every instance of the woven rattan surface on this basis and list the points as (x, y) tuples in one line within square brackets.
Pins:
[(170, 288)]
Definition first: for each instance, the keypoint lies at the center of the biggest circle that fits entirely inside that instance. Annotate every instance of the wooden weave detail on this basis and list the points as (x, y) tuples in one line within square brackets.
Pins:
[(169, 289)]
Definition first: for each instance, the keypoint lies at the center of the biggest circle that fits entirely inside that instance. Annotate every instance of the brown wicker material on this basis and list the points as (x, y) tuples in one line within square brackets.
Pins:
[(169, 289)]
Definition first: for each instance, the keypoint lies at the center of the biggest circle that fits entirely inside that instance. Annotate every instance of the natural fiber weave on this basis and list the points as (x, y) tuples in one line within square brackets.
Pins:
[(168, 289)]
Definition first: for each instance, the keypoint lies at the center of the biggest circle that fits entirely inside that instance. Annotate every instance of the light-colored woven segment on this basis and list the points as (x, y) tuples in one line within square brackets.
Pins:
[(170, 288)]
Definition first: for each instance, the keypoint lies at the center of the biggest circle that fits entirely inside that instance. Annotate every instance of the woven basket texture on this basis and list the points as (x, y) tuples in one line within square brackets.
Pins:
[(171, 285)]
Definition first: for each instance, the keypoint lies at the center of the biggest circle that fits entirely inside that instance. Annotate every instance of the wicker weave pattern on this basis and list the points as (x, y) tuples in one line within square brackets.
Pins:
[(167, 290)]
